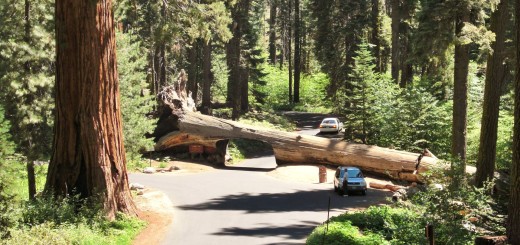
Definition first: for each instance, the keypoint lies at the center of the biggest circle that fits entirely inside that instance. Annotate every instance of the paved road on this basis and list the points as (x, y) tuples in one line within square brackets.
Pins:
[(308, 123), (243, 205)]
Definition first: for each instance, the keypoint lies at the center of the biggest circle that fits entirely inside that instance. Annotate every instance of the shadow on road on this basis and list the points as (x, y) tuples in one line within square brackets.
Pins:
[(289, 232), (299, 201), (247, 169)]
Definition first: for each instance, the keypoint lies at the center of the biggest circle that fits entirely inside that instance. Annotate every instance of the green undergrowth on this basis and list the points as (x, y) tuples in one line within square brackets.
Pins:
[(268, 119), (376, 225), (239, 149), (49, 221), (456, 209), (120, 231)]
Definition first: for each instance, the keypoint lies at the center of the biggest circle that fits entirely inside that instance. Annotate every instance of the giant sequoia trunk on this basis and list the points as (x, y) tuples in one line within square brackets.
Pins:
[(495, 73), (88, 155), (181, 125)]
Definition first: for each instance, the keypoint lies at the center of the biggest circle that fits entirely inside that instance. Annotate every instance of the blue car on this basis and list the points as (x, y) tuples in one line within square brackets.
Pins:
[(349, 179)]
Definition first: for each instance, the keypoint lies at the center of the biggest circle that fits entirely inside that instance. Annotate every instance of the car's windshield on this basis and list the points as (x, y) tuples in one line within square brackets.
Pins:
[(354, 173), (329, 122)]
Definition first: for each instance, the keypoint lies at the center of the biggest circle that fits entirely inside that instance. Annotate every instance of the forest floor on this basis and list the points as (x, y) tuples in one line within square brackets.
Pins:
[(157, 209)]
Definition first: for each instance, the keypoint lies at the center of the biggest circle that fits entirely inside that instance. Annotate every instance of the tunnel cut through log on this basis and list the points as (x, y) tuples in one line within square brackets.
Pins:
[(180, 124)]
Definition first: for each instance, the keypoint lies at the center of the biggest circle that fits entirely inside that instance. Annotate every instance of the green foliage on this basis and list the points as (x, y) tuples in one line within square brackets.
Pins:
[(27, 75), (6, 199), (136, 100), (417, 121), (356, 99), (120, 231), (268, 119), (340, 233), (459, 211), (378, 112), (339, 27), (504, 140), (312, 91), (396, 225), (8, 146)]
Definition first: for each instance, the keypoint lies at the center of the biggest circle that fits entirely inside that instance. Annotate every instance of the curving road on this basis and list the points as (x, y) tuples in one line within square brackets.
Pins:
[(243, 205)]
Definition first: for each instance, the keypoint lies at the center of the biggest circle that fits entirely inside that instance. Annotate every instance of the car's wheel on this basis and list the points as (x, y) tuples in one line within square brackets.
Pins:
[(364, 192)]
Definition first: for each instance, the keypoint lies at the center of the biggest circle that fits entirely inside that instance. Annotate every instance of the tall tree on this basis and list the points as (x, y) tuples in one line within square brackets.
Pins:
[(239, 14), (396, 19), (495, 74), (339, 28), (26, 65), (273, 6), (88, 153), (289, 50), (513, 226), (207, 76), (460, 90), (297, 50), (376, 34)]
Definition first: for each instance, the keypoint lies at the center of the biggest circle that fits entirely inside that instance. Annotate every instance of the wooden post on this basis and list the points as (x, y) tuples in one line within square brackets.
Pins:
[(429, 234), (31, 179)]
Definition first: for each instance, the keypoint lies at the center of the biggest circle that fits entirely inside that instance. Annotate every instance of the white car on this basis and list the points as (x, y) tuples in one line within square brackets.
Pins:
[(331, 125)]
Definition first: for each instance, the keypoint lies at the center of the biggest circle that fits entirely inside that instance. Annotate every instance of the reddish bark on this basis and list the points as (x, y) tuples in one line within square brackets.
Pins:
[(88, 155)]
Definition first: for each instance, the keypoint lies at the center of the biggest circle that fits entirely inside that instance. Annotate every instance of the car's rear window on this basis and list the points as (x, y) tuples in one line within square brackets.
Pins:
[(354, 173), (329, 121)]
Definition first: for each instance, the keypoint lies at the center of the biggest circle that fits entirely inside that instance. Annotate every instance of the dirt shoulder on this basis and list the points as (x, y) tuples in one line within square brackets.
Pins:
[(157, 210)]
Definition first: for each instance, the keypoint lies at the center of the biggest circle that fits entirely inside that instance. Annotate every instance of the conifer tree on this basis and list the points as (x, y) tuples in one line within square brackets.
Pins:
[(513, 226), (27, 65), (495, 76), (136, 99), (7, 149)]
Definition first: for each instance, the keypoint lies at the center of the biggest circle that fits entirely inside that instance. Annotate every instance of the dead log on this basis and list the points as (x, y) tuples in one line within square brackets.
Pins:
[(181, 125), (380, 186), (491, 240)]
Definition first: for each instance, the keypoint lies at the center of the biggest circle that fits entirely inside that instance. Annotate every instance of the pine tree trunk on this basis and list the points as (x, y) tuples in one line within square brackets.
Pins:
[(88, 155), (31, 180), (406, 67), (460, 94), (289, 52), (495, 73), (240, 17), (272, 32), (513, 224), (193, 70), (244, 69), (376, 29), (297, 51), (396, 18), (207, 79), (244, 90), (283, 38)]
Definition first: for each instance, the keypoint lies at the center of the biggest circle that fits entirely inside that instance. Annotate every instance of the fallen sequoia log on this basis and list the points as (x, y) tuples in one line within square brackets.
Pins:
[(180, 125)]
